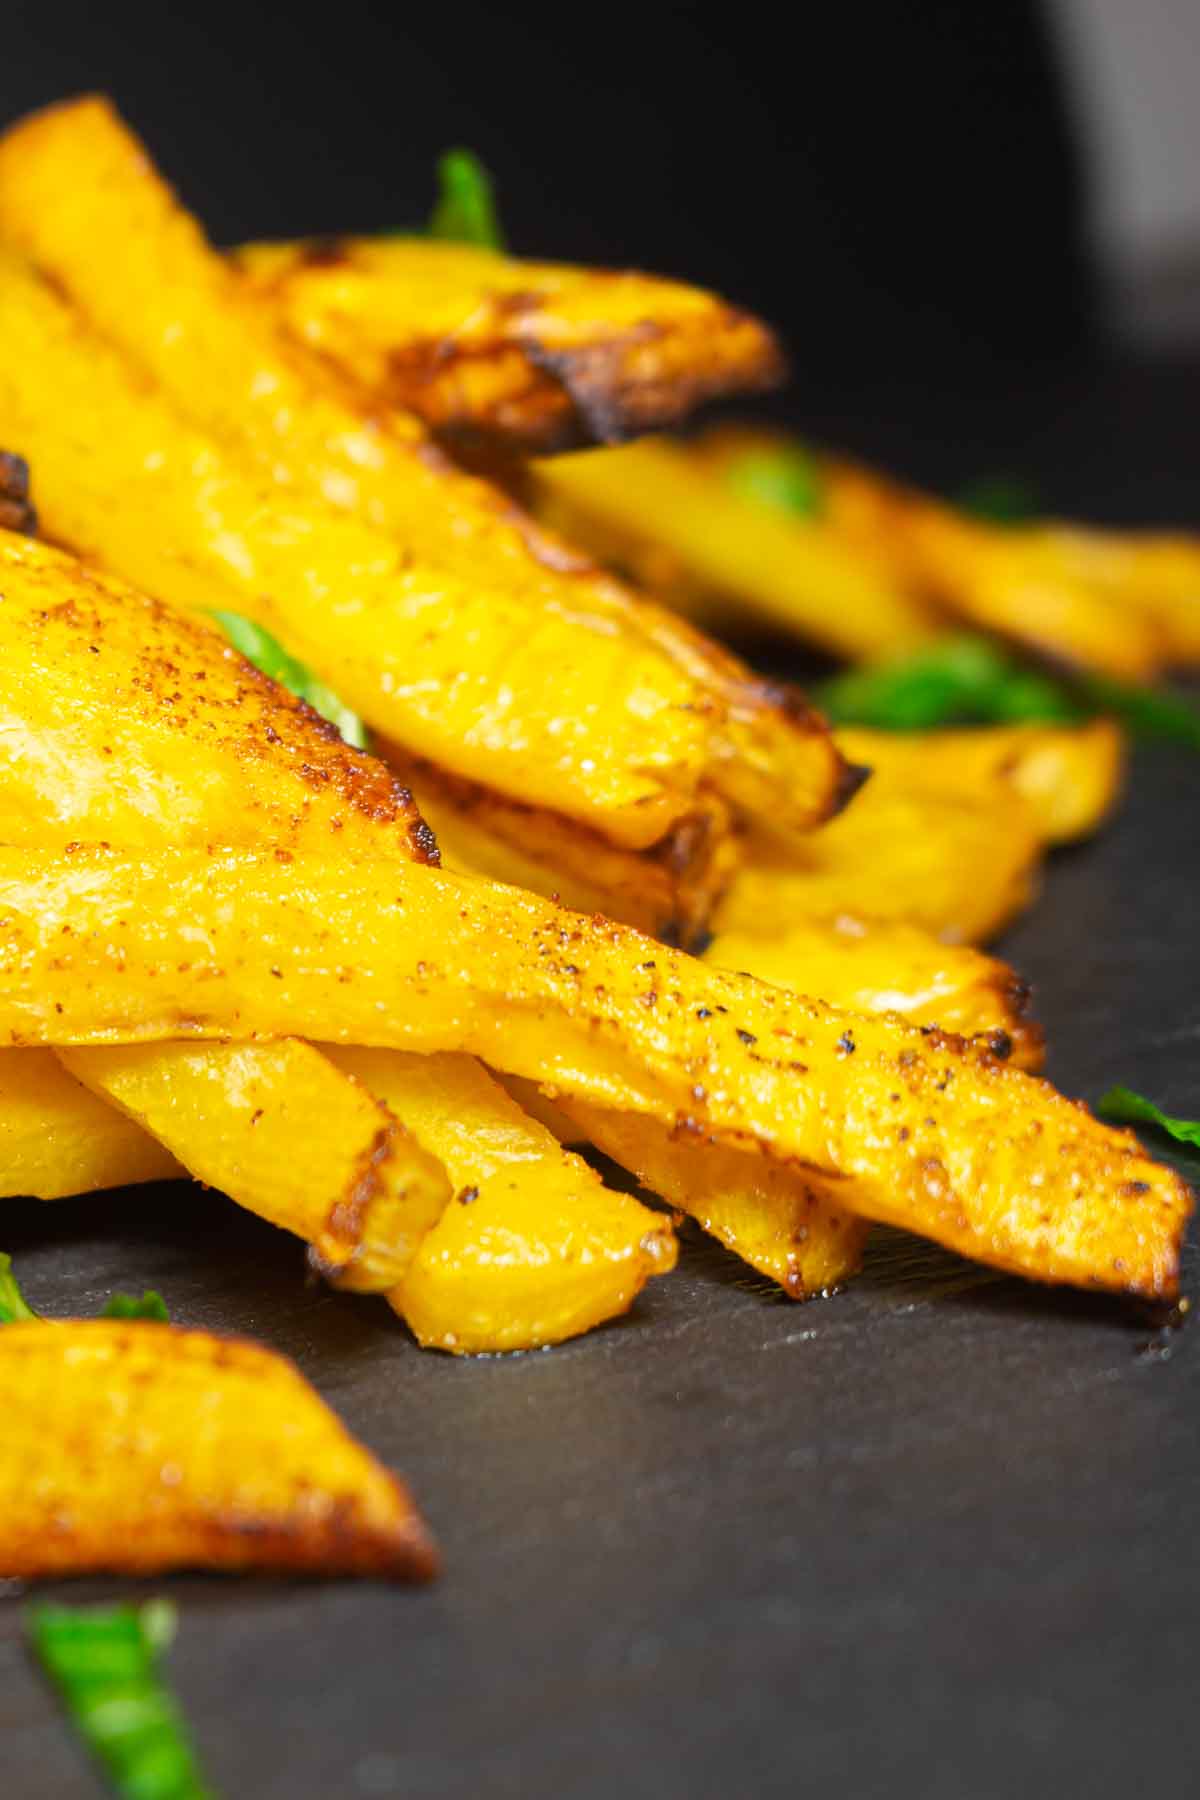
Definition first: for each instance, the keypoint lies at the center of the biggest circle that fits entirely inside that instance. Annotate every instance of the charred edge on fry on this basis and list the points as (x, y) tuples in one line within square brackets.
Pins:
[(16, 511)]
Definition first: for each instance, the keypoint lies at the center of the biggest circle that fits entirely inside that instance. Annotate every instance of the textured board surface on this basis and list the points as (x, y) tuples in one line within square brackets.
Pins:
[(932, 1536)]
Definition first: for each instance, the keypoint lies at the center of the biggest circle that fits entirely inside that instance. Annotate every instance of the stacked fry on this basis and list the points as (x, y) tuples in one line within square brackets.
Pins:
[(232, 944)]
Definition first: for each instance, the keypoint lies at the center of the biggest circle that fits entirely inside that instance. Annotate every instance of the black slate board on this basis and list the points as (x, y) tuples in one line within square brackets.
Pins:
[(934, 1536)]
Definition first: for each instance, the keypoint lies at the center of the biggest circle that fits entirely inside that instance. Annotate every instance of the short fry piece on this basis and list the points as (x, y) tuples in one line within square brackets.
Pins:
[(364, 1192), (655, 511), (534, 1248), (786, 1223), (939, 1136), (669, 890), (957, 866), (488, 349), (133, 1448), (1069, 775), (891, 967), (58, 1139)]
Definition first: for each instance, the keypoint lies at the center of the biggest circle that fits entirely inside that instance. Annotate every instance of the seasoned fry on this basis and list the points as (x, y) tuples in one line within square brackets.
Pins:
[(133, 724), (889, 967), (521, 355), (669, 891), (134, 1448), (364, 1193), (788, 1224), (534, 1248), (1069, 775), (937, 1135), (1119, 603), (57, 1139), (655, 511), (479, 642), (956, 866)]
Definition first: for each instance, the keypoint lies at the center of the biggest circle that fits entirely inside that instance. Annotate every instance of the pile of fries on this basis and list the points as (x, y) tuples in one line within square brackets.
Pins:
[(596, 883)]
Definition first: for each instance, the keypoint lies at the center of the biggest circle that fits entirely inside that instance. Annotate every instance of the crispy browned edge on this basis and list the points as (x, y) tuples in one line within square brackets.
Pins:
[(341, 1544), (16, 509), (555, 400)]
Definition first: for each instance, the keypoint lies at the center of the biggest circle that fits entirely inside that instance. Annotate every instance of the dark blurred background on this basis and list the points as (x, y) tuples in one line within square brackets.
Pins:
[(937, 198)]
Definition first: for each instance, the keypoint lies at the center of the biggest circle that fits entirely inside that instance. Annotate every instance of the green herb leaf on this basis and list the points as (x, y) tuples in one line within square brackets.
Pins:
[(465, 209), (104, 1663), (13, 1309), (1125, 1107), (1150, 714), (973, 681), (1002, 499), (786, 478), (269, 656), (128, 1306), (956, 681)]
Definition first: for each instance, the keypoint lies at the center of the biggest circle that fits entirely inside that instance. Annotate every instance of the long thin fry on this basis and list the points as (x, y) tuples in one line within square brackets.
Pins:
[(654, 510), (790, 1224), (938, 1136)]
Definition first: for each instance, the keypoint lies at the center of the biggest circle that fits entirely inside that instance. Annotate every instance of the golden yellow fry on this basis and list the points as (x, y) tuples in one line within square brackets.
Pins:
[(890, 967), (534, 1248), (1154, 572), (1011, 581), (129, 723), (938, 1136), (363, 1193), (786, 1223), (58, 1139), (1070, 776), (488, 349), (654, 510), (958, 866), (669, 890), (440, 612), (133, 1448)]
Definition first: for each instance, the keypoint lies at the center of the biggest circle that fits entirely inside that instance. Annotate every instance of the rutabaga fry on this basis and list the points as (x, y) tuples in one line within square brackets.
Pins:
[(131, 723), (888, 967), (668, 891), (956, 866), (132, 1448), (363, 1194), (654, 510), (58, 1139), (440, 613), (534, 1248), (491, 350), (937, 1135), (1006, 579), (1070, 776), (787, 1223), (585, 723)]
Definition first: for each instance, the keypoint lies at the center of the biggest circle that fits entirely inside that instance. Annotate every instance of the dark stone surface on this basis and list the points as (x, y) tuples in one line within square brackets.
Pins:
[(934, 1536)]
